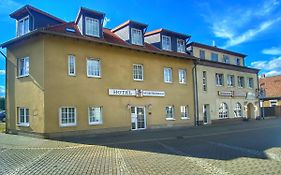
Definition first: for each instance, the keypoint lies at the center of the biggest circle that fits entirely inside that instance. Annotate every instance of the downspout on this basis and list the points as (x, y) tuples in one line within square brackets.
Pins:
[(195, 90), (6, 65), (259, 101)]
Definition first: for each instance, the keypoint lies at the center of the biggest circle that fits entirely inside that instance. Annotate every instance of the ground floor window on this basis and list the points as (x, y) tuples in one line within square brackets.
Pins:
[(184, 112), (23, 116), (95, 115), (169, 112), (223, 110), (238, 110), (67, 116)]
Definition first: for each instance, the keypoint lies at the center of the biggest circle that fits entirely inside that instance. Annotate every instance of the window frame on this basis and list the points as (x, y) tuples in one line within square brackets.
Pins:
[(233, 81), (101, 116), (239, 81), (19, 67), (217, 56), (26, 117), (184, 74), (171, 75), (173, 112), (252, 86), (95, 21), (226, 59), (223, 111), (133, 40), (60, 116), (238, 110), (185, 111), (238, 61), (217, 78), (170, 42), (181, 48), (204, 77), (142, 71), (74, 65), (23, 27), (93, 76), (202, 54)]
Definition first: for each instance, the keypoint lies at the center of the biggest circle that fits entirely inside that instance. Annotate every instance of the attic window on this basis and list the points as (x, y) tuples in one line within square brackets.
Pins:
[(23, 26), (92, 27), (72, 30), (137, 38)]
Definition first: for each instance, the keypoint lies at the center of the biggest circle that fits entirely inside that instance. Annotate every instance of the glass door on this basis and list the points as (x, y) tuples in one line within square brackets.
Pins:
[(138, 118), (206, 116)]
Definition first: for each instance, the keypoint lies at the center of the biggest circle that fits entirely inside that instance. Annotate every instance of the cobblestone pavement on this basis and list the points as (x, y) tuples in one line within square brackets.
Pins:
[(251, 148)]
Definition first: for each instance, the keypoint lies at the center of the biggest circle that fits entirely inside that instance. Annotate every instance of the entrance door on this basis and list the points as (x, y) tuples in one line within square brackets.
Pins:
[(206, 113), (138, 118), (250, 111)]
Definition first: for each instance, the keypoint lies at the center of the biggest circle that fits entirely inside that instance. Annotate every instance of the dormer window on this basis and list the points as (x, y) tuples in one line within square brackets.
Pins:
[(166, 43), (137, 38), (23, 26), (92, 27), (181, 45)]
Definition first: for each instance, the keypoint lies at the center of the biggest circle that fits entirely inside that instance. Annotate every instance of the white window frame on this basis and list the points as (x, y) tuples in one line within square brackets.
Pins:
[(170, 77), (218, 82), (60, 116), (70, 59), (238, 112), (166, 46), (89, 117), (92, 22), (204, 81), (229, 82), (25, 115), (135, 72), (181, 46), (184, 112), (173, 113), (226, 59), (137, 33), (273, 103), (202, 54), (26, 18), (182, 76), (240, 84), (223, 111), (25, 66), (251, 86), (99, 68)]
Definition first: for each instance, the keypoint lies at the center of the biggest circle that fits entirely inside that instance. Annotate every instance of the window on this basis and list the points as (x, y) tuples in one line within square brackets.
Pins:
[(95, 115), (251, 83), (93, 68), (166, 43), (184, 112), (182, 76), (230, 80), (202, 54), (226, 59), (181, 45), (273, 103), (23, 67), (168, 75), (23, 26), (138, 72), (204, 79), (23, 116), (136, 36), (238, 110), (169, 113), (223, 111), (219, 79), (67, 116), (214, 56), (92, 27), (238, 62), (71, 65), (240, 82)]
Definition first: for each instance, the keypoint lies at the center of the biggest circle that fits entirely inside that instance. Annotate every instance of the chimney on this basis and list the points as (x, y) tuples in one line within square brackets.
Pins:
[(214, 43)]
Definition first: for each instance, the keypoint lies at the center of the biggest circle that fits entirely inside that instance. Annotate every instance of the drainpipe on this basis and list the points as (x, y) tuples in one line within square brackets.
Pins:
[(195, 90), (259, 100), (6, 63)]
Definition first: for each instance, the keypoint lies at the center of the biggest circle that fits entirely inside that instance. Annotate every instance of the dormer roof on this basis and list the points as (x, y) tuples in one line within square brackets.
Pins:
[(91, 12), (161, 30), (141, 25)]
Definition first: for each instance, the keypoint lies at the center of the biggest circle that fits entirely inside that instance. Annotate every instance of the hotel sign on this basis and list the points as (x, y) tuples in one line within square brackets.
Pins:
[(135, 92), (239, 94)]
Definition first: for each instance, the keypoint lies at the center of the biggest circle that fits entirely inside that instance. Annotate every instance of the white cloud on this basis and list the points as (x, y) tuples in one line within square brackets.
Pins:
[(106, 21), (270, 68), (272, 51), (236, 26), (2, 72), (2, 90)]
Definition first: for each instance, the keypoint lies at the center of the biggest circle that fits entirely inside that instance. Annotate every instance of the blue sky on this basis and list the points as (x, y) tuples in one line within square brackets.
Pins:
[(251, 27)]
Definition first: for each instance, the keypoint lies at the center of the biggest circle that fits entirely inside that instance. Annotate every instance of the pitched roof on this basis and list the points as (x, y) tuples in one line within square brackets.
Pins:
[(127, 23), (271, 85), (165, 30), (24, 9), (89, 11), (196, 44)]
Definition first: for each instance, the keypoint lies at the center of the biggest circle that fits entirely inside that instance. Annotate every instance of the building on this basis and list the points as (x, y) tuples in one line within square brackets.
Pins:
[(66, 78), (225, 88)]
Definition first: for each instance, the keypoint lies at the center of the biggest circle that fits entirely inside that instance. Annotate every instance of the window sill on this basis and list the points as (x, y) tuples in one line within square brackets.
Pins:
[(223, 118), (74, 75), (219, 85), (139, 80), (168, 82), (95, 123), (23, 76), (230, 86), (67, 125), (90, 76), (23, 124), (182, 83), (185, 118), (170, 119)]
